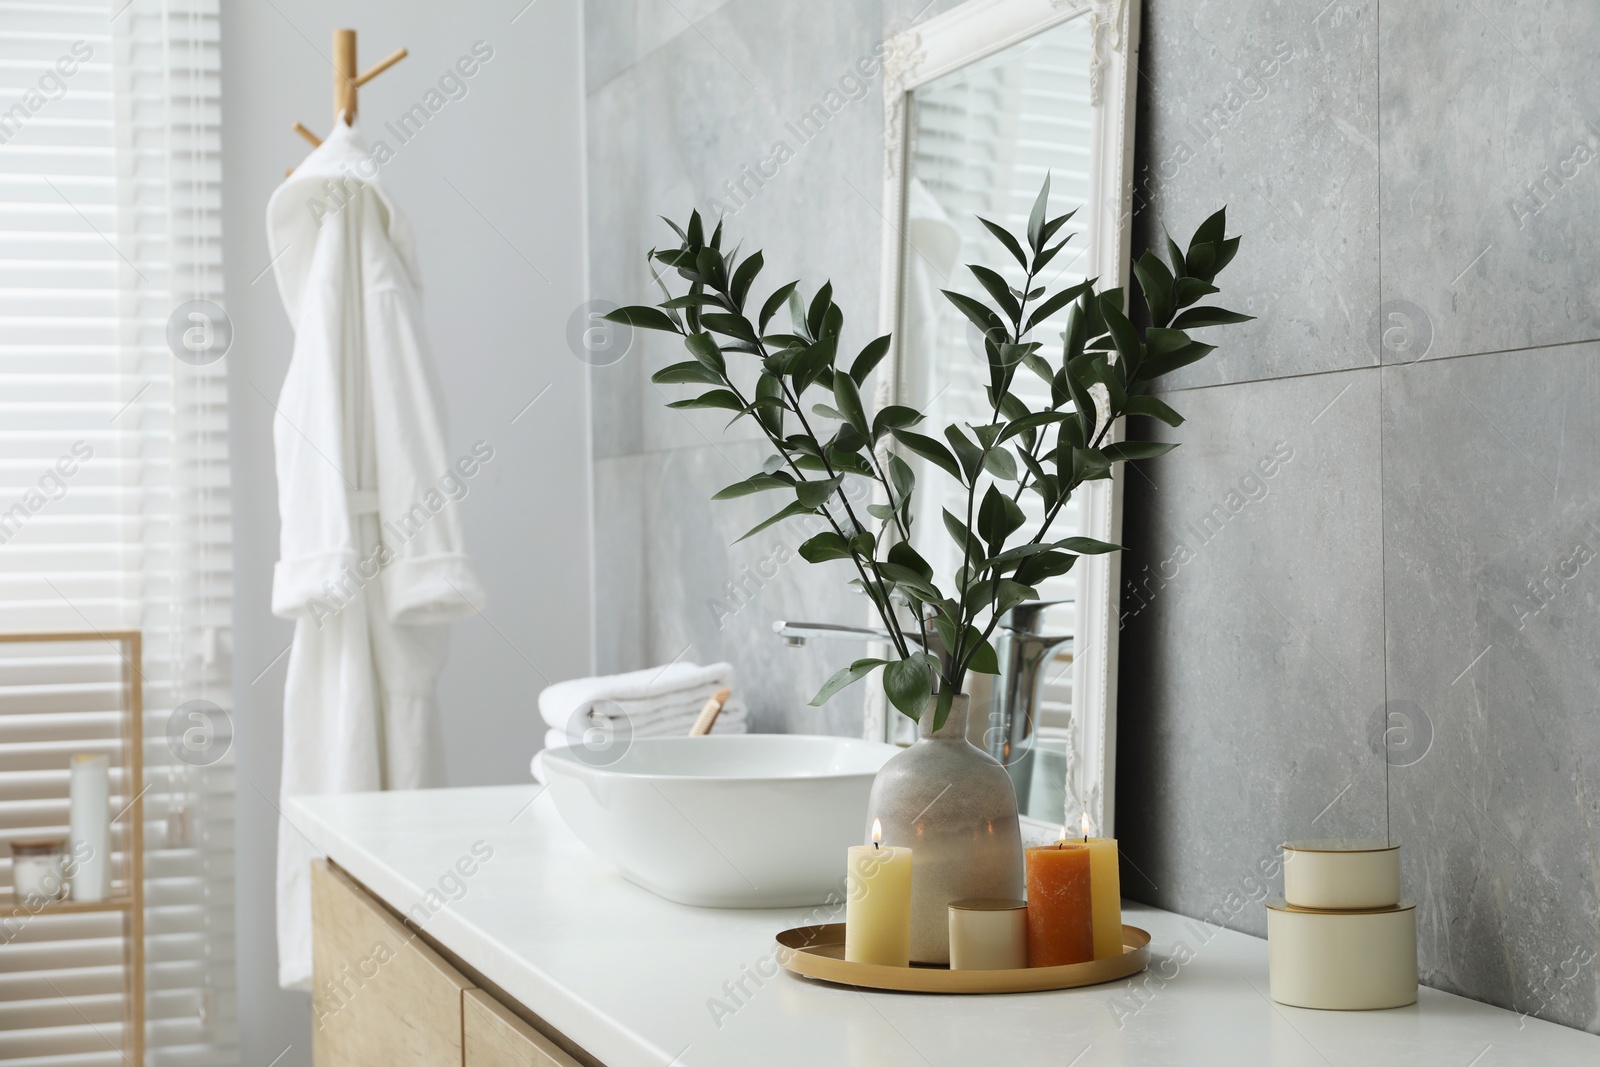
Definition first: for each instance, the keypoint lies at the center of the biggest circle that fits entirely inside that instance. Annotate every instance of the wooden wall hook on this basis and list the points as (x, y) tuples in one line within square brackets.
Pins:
[(346, 80)]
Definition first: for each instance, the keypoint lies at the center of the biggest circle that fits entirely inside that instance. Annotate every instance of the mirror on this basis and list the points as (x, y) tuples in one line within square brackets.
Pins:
[(983, 101)]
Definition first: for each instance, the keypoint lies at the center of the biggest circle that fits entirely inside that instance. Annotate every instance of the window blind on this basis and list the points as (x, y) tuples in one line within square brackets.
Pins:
[(114, 507), (985, 138)]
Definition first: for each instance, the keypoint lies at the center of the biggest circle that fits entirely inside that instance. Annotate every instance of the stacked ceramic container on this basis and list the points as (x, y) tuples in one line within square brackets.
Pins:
[(1342, 938)]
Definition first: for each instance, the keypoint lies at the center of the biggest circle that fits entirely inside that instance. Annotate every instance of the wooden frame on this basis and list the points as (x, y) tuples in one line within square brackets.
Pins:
[(131, 900), (963, 35)]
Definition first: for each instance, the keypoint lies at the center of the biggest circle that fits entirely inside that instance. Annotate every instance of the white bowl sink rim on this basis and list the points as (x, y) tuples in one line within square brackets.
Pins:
[(726, 758)]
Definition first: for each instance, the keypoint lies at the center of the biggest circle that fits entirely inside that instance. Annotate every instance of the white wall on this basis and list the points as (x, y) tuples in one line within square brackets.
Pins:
[(493, 186)]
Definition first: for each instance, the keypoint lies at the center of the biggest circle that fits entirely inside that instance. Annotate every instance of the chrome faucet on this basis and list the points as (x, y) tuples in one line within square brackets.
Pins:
[(1023, 652), (1006, 729)]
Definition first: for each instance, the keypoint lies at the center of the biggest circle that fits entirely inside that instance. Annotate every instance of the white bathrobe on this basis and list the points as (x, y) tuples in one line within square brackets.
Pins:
[(372, 566)]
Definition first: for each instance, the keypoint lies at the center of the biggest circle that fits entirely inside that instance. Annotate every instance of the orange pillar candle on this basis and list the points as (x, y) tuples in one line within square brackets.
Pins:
[(1060, 905)]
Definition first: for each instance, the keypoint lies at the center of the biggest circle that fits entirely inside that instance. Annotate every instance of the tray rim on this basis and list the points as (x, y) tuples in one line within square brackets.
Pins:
[(802, 959)]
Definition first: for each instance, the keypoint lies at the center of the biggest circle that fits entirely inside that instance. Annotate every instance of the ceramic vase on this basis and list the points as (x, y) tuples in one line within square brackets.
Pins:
[(954, 806)]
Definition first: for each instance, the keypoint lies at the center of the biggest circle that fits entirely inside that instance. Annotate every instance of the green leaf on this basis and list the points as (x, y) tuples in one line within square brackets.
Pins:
[(1031, 422), (756, 483), (1123, 335), (1087, 546), (813, 494), (689, 373), (970, 455), (774, 302), (1005, 237), (901, 478), (1186, 291), (981, 315), (869, 358), (1053, 225), (1225, 253), (827, 411), (1008, 594), (736, 326), (997, 288), (848, 399), (958, 530), (846, 677), (1149, 405), (1048, 565), (998, 518), (1036, 217), (1175, 255), (1128, 450), (884, 512), (1200, 260), (742, 278), (1196, 318), (823, 547), (984, 660), (1056, 303), (1155, 282), (903, 555), (1156, 366), (770, 388), (908, 683), (910, 581), (1001, 463), (713, 271), (930, 450), (718, 398), (793, 510), (646, 318), (1211, 231), (704, 348), (894, 417), (817, 314)]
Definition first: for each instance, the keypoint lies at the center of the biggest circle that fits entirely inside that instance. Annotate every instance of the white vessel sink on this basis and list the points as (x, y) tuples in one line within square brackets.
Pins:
[(741, 821)]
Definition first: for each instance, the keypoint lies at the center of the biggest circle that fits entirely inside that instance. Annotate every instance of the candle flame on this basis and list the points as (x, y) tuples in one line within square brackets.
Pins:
[(1086, 826), (877, 832)]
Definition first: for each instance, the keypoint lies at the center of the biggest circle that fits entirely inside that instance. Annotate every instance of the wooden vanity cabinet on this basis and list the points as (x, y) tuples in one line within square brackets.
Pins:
[(382, 995)]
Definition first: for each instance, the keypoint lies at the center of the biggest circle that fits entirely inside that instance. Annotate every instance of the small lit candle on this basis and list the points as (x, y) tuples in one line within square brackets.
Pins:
[(1060, 905), (1105, 890), (877, 911)]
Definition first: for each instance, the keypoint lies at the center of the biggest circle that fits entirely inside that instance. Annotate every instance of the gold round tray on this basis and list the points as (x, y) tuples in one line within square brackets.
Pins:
[(818, 952)]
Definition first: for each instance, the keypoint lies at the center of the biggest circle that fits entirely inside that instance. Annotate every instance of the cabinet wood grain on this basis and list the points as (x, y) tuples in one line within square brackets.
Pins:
[(380, 995), (494, 1037)]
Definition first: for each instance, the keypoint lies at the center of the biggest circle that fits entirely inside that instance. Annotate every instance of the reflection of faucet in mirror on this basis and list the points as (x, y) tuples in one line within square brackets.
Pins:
[(1023, 652), (796, 634)]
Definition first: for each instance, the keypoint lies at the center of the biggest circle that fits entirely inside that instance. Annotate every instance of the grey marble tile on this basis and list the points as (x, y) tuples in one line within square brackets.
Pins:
[(610, 40), (1270, 109), (617, 273), (691, 125), (1492, 585), (708, 599), (619, 560), (1491, 173), (1252, 641)]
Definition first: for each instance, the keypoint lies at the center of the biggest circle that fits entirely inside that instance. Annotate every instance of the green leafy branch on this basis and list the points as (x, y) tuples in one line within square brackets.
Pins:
[(807, 401)]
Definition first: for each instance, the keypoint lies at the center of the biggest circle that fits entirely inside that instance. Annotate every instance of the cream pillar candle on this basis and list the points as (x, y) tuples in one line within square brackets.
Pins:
[(90, 834), (877, 911), (988, 935), (1105, 892), (1341, 874)]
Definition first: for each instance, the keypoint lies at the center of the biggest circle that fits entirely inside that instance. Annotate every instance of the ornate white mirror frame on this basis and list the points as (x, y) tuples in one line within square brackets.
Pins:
[(966, 34)]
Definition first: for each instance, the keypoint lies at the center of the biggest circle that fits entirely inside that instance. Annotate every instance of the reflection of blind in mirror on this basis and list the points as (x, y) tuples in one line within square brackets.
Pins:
[(982, 141)]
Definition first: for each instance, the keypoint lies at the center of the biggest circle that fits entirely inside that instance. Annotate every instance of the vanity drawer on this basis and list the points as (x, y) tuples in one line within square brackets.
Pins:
[(494, 1037), (380, 995)]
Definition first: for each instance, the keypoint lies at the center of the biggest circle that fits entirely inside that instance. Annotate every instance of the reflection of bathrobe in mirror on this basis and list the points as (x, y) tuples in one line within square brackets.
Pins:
[(372, 562)]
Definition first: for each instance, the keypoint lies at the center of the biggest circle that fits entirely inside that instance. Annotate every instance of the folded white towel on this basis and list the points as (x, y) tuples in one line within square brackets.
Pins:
[(642, 695)]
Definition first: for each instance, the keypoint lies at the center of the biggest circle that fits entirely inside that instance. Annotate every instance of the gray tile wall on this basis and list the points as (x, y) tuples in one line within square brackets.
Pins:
[(1417, 190), (1385, 512)]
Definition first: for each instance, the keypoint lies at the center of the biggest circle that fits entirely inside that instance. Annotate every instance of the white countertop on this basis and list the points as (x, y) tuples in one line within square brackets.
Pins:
[(641, 982)]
